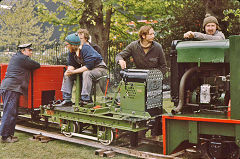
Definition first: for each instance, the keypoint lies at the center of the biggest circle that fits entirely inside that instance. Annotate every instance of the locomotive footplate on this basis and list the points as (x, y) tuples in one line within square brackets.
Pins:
[(106, 118)]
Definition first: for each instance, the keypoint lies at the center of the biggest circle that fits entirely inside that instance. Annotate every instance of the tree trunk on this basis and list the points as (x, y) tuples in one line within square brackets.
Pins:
[(92, 20)]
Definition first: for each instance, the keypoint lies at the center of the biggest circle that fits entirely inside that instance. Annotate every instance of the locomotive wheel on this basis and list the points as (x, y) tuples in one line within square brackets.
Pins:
[(134, 139), (204, 148), (234, 151), (230, 151), (67, 134), (109, 140), (75, 130)]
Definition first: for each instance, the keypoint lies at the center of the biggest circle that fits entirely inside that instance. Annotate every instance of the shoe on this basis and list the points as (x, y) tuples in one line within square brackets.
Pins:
[(10, 139), (64, 103), (85, 102), (14, 137)]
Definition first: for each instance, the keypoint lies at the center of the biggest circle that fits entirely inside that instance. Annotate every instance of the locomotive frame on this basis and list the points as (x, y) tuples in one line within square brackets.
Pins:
[(105, 121)]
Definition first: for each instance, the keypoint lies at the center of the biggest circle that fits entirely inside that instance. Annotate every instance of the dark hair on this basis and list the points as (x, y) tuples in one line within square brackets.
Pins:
[(144, 30), (85, 32)]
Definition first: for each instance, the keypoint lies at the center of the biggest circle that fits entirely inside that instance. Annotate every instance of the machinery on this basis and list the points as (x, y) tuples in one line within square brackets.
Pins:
[(204, 89), (139, 109)]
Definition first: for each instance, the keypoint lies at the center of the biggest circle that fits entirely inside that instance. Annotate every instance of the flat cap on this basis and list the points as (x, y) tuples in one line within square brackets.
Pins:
[(23, 46)]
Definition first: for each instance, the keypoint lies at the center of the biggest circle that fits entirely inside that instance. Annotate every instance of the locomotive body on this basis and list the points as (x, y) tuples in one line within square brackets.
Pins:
[(206, 98)]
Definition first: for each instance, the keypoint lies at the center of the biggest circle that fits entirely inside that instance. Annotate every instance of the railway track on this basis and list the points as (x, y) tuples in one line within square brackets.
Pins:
[(97, 145)]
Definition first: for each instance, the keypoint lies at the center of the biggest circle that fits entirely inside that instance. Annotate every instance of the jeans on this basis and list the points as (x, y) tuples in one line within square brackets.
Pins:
[(87, 79), (10, 112)]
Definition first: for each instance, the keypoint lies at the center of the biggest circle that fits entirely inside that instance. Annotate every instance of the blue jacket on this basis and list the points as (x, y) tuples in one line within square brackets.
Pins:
[(18, 73), (89, 58)]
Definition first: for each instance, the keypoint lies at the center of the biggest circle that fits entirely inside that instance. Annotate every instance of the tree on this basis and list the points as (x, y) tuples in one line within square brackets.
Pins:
[(89, 14), (107, 20), (20, 25), (100, 17)]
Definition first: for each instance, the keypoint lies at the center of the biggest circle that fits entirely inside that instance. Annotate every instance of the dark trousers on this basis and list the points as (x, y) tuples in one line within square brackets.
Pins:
[(10, 112)]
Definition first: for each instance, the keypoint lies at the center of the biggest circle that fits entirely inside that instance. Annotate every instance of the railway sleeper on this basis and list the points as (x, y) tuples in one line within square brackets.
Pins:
[(105, 153), (41, 138)]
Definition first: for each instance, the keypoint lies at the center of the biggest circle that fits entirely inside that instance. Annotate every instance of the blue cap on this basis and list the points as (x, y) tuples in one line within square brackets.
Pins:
[(73, 39)]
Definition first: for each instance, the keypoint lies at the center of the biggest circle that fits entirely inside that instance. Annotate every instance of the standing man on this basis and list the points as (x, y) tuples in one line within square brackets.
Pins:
[(84, 59), (146, 53), (15, 83), (211, 30)]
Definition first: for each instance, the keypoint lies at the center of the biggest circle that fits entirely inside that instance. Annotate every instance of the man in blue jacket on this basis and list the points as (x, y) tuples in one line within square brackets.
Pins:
[(86, 61), (14, 84)]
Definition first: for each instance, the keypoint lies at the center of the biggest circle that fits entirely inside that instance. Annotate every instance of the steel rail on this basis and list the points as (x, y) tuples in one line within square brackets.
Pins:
[(94, 144)]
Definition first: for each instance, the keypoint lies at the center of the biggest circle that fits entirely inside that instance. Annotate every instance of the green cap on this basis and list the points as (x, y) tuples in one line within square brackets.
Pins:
[(73, 39)]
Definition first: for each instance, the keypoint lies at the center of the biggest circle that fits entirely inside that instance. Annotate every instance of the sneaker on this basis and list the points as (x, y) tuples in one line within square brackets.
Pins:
[(10, 139), (64, 103), (86, 102)]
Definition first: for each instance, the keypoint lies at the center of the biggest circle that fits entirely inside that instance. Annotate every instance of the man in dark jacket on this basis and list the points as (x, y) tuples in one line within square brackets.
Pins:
[(146, 53), (15, 83)]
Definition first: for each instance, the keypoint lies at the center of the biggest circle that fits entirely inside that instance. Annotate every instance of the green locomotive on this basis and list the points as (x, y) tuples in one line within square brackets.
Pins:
[(139, 109), (204, 87)]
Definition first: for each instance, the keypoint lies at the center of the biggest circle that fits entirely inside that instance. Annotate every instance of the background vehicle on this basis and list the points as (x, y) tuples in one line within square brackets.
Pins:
[(205, 90)]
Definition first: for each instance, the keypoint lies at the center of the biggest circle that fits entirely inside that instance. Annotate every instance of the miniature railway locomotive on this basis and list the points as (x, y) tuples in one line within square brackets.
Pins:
[(140, 109), (204, 87)]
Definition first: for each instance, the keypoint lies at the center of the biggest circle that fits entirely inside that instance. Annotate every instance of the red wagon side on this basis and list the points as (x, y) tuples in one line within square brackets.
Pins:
[(44, 86)]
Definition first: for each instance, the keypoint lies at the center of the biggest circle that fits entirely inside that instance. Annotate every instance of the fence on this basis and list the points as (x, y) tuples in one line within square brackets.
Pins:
[(56, 54)]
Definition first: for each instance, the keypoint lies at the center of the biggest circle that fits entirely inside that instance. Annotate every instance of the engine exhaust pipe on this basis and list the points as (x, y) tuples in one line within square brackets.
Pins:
[(182, 88)]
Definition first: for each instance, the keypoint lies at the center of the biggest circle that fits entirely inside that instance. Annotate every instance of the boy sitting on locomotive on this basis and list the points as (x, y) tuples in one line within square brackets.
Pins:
[(83, 58)]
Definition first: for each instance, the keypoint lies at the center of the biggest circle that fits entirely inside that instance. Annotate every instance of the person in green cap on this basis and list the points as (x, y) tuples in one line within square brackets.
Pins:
[(87, 62), (211, 30)]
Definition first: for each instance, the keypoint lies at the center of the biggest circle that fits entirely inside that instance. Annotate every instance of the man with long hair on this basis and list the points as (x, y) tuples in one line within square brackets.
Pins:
[(146, 53)]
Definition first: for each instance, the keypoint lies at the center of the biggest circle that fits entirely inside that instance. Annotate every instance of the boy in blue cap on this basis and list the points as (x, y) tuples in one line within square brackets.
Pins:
[(86, 61)]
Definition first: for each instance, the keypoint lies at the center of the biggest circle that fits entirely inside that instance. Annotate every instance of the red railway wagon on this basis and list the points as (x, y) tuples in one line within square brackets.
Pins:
[(44, 86)]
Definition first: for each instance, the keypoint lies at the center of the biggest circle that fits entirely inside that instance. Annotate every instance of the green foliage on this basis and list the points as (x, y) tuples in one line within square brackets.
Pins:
[(72, 9), (177, 18), (232, 16), (20, 25), (173, 18)]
